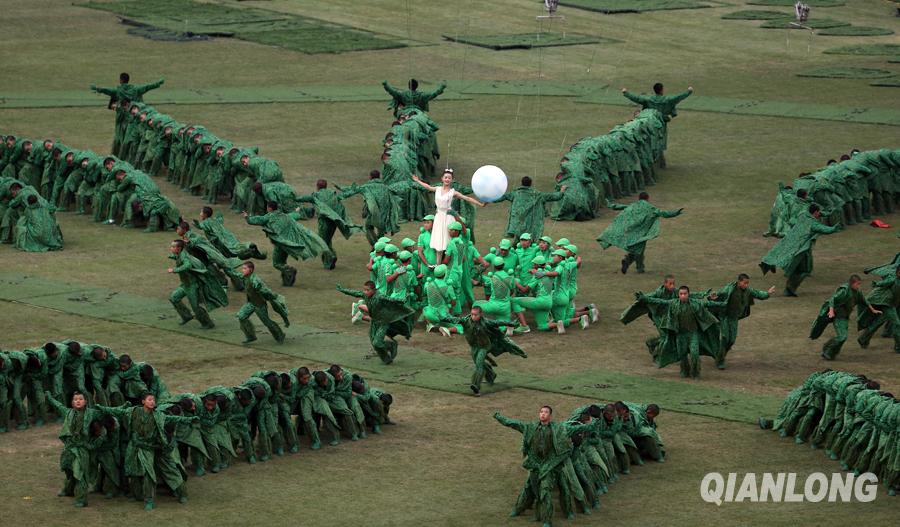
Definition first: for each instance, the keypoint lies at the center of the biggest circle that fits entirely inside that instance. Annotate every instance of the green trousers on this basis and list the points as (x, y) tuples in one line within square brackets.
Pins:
[(833, 346), (262, 312), (688, 345), (176, 298)]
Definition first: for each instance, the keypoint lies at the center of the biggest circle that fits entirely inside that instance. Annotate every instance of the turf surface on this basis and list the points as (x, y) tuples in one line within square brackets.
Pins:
[(757, 14), (293, 32), (447, 462), (811, 3), (865, 49), (847, 73), (526, 40), (634, 6), (818, 23), (856, 31)]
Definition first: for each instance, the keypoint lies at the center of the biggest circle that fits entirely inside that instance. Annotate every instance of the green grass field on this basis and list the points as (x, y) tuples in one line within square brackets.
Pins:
[(320, 116)]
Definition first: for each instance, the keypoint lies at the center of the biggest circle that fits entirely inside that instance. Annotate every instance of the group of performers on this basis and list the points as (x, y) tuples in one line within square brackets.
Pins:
[(124, 433)]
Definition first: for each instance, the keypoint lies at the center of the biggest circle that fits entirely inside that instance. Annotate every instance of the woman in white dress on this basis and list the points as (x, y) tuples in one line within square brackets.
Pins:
[(443, 200)]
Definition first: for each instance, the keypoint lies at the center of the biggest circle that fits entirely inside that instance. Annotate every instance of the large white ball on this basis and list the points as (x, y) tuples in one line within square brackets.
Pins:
[(489, 183)]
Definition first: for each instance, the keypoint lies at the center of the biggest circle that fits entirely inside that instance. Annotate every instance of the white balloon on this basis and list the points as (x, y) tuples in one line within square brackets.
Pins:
[(489, 183)]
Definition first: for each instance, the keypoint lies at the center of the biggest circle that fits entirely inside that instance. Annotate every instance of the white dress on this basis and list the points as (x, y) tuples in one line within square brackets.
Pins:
[(439, 234)]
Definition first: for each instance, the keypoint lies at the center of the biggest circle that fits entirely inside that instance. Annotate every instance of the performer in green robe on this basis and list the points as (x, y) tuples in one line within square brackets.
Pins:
[(288, 238), (837, 310), (793, 253), (738, 296), (147, 458), (690, 330), (526, 209), (308, 406), (388, 318), (79, 444), (332, 217), (885, 297), (213, 226), (411, 98), (126, 91), (381, 207), (632, 228), (36, 229), (258, 295), (665, 104), (546, 446), (485, 337), (200, 287)]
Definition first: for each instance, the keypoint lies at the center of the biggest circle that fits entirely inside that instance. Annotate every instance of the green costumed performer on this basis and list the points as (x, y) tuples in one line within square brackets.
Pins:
[(837, 310), (258, 296), (213, 226), (288, 238), (793, 253), (388, 318), (200, 287), (147, 457), (77, 457), (381, 207), (308, 406), (485, 337), (411, 98), (440, 297), (526, 209), (690, 331), (331, 216), (885, 297), (632, 228), (738, 297), (126, 91), (546, 446), (36, 229), (664, 104)]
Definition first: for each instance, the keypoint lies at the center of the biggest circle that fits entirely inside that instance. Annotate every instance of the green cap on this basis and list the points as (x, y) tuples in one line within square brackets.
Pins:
[(563, 241), (404, 255), (547, 239), (454, 226), (407, 242), (390, 248), (572, 248), (379, 246), (430, 217), (498, 261), (384, 239), (539, 260), (560, 252), (440, 270), (525, 236), (505, 244)]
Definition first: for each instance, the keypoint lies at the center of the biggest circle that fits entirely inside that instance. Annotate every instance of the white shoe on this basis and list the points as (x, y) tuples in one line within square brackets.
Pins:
[(444, 331), (595, 313), (357, 317), (428, 327), (509, 331), (353, 310), (560, 327), (583, 321)]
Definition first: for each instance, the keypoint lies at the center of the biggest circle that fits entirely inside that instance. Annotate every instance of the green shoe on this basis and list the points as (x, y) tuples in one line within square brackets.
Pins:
[(376, 429), (334, 442), (294, 449), (315, 446), (148, 505), (80, 504)]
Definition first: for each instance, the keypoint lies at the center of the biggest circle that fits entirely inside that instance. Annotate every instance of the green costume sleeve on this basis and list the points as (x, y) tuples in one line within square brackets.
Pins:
[(759, 294), (394, 92), (350, 292), (144, 88), (104, 91), (57, 406), (675, 99), (510, 423), (669, 213), (638, 99), (427, 96)]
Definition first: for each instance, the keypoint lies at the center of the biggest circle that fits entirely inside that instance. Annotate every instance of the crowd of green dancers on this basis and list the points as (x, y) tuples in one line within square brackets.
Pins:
[(580, 457), (125, 434), (850, 417), (408, 284)]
